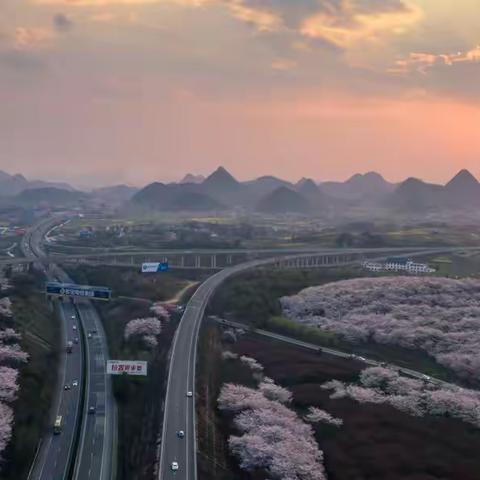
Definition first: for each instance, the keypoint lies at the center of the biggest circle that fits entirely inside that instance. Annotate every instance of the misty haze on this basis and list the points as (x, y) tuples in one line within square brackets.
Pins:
[(239, 240)]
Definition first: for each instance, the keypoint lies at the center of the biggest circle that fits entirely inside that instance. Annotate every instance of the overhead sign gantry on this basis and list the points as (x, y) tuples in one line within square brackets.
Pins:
[(55, 289)]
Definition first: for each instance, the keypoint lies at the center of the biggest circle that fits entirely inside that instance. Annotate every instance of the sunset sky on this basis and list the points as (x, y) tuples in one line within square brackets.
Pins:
[(109, 91)]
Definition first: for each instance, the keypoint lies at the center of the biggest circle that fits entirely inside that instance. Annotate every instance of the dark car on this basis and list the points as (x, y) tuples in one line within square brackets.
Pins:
[(91, 409)]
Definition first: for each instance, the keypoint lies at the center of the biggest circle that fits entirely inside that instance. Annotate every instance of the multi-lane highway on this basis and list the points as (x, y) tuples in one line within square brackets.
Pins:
[(56, 452), (96, 452), (53, 460), (93, 456)]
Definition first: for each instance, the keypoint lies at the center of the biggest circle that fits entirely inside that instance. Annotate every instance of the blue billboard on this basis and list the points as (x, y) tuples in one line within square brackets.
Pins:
[(153, 267), (78, 291)]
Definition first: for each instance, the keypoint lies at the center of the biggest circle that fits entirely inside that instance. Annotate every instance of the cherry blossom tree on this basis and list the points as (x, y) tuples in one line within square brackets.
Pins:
[(316, 415), (8, 384), (228, 355), (6, 421), (160, 311), (251, 363), (12, 354), (6, 307), (274, 392), (9, 334), (145, 328), (438, 315)]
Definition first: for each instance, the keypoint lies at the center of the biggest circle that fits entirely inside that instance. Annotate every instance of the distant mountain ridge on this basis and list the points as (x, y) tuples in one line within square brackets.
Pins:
[(370, 184), (15, 184), (462, 192), (360, 194), (190, 178)]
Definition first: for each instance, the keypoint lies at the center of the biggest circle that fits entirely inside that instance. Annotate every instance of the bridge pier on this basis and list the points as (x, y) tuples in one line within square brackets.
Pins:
[(213, 261)]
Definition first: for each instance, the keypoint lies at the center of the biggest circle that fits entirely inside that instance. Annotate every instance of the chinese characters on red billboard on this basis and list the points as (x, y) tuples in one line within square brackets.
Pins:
[(128, 367)]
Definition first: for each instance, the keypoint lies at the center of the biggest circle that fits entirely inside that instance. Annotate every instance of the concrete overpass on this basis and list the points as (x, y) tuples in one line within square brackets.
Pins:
[(202, 259)]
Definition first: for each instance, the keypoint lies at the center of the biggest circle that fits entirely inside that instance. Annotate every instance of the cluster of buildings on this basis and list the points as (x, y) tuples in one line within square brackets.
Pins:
[(398, 264)]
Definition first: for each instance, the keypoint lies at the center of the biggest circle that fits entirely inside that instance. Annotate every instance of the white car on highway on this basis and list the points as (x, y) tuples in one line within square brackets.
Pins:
[(174, 466), (189, 394)]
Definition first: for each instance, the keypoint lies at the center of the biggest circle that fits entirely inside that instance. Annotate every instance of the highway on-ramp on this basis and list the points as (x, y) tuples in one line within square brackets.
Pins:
[(179, 411)]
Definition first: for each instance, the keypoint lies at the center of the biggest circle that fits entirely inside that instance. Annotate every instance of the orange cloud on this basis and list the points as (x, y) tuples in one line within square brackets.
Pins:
[(30, 38), (101, 3), (264, 20), (422, 62), (352, 26), (283, 64)]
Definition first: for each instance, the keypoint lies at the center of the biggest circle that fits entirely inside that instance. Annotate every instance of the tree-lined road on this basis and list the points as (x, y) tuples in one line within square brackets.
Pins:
[(330, 351)]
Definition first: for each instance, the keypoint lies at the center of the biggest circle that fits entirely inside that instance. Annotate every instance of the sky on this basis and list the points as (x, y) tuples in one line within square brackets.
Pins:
[(130, 91)]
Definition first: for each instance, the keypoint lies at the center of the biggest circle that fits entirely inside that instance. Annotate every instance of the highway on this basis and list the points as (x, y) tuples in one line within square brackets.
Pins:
[(52, 462), (179, 409), (56, 451), (95, 453), (95, 456)]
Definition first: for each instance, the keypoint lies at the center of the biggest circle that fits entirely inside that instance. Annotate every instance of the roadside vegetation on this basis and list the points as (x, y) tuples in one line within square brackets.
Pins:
[(131, 283), (375, 441), (39, 331), (253, 298)]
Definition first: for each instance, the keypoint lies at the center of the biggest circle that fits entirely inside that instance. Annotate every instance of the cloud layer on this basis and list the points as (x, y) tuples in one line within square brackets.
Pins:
[(328, 86)]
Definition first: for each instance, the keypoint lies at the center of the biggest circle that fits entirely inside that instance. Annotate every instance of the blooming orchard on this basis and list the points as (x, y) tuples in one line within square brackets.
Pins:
[(11, 355), (382, 385), (273, 437), (438, 315)]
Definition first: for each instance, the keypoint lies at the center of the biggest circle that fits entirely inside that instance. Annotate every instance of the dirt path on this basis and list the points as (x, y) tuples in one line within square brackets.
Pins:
[(178, 296)]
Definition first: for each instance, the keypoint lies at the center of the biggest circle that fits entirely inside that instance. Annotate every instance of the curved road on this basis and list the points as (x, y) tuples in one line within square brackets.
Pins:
[(179, 410)]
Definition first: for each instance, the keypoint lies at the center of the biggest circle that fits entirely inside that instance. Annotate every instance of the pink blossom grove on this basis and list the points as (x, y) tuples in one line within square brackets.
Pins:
[(145, 328), (11, 356), (438, 315), (272, 437), (415, 397), (6, 422)]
